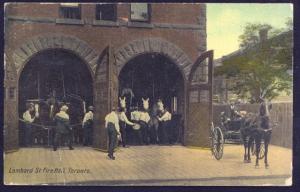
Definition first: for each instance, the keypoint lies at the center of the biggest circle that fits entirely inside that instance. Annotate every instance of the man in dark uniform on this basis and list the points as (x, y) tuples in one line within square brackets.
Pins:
[(63, 128), (165, 120)]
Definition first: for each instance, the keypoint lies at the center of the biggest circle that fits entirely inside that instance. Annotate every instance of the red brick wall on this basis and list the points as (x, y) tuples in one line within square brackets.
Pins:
[(161, 12), (98, 37)]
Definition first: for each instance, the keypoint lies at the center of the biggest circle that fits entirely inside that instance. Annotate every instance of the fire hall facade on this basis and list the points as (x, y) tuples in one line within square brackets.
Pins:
[(95, 48)]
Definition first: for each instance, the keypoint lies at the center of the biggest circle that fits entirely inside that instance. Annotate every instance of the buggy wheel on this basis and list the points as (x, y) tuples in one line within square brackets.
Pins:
[(217, 144)]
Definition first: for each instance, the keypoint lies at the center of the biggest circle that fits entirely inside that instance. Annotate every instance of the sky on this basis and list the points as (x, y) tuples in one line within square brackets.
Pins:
[(225, 22)]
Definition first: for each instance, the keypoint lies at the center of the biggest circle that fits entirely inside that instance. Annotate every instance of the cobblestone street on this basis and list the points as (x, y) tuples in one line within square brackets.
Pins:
[(145, 165)]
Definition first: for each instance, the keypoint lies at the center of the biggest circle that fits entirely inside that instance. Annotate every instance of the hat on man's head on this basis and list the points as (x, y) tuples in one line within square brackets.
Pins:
[(91, 108), (28, 105), (64, 108), (113, 108)]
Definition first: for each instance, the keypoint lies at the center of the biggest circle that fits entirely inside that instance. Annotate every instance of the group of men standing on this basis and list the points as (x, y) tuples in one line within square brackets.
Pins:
[(117, 125), (62, 129)]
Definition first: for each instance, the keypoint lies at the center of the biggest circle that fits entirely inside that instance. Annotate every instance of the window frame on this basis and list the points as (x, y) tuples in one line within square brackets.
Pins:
[(149, 10), (115, 12), (61, 15)]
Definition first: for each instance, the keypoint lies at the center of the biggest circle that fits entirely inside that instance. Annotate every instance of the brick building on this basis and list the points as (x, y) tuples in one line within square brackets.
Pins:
[(93, 48)]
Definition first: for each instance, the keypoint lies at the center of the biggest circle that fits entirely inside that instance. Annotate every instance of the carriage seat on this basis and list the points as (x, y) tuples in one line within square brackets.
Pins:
[(235, 125)]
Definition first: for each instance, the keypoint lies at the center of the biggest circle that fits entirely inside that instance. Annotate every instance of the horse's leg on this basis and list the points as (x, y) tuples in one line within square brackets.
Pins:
[(245, 147), (267, 141), (249, 147), (243, 137), (258, 143)]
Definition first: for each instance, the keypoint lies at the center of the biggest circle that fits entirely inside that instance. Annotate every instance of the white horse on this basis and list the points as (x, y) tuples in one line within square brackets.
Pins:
[(122, 102), (145, 103)]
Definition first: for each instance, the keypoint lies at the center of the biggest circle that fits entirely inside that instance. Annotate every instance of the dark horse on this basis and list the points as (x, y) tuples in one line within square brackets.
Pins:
[(153, 123), (252, 130)]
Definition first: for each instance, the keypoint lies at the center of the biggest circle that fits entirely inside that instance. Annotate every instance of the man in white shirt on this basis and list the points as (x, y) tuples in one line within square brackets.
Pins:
[(113, 130), (164, 131), (28, 127), (135, 117), (123, 122), (144, 120), (87, 125)]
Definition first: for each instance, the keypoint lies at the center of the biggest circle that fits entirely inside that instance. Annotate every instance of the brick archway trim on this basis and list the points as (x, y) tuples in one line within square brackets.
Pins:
[(54, 41), (153, 45)]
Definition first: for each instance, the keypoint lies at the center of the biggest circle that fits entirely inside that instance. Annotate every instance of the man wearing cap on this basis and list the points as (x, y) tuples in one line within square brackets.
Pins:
[(113, 130), (164, 131), (87, 126), (160, 105), (28, 119), (63, 128)]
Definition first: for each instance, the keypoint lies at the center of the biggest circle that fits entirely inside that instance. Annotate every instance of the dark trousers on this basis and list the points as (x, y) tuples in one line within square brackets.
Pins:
[(87, 134), (153, 135), (112, 138), (28, 134), (144, 132), (63, 135), (163, 135), (123, 132)]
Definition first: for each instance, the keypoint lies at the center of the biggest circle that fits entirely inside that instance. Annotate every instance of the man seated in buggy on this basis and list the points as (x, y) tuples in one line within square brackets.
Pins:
[(236, 118)]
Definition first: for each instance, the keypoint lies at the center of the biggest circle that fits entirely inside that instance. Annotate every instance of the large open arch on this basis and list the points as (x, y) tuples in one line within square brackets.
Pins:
[(60, 74), (19, 59), (166, 55), (155, 76)]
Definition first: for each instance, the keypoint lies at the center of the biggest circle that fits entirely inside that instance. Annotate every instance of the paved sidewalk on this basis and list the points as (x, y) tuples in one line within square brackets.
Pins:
[(145, 165)]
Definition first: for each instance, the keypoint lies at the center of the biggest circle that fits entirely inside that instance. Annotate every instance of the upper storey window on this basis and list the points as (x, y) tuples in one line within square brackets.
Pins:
[(140, 12), (70, 10), (106, 12)]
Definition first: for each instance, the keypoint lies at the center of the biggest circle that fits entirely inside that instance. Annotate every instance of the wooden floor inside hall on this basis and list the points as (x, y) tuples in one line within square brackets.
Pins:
[(144, 164)]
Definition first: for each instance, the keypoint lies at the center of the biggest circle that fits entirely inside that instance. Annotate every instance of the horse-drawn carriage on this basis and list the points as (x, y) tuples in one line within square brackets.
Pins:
[(247, 128)]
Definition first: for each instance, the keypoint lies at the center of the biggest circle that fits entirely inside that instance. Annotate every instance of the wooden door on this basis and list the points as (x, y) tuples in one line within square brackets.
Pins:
[(199, 101), (105, 95)]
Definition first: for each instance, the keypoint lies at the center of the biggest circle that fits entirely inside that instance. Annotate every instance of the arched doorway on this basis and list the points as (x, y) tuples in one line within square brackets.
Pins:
[(155, 76), (60, 74)]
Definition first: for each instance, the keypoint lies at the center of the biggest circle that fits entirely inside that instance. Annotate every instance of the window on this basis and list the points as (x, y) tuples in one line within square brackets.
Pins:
[(70, 10), (11, 93), (140, 12), (201, 73), (106, 12)]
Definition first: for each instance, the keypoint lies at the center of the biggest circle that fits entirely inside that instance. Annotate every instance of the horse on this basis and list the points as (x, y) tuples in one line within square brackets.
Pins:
[(122, 102), (153, 123), (253, 131)]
